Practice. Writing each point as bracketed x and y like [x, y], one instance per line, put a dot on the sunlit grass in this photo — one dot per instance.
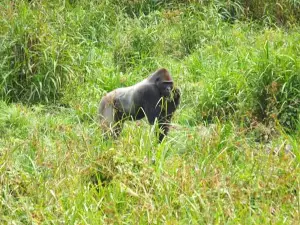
[232, 155]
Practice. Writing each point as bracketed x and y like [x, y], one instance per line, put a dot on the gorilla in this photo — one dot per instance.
[155, 97]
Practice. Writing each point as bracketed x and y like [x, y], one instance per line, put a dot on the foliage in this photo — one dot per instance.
[237, 65]
[280, 12]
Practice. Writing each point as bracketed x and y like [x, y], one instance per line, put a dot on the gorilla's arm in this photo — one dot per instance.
[174, 102]
[166, 115]
[150, 103]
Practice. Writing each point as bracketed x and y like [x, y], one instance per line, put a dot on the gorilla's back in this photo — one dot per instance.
[123, 99]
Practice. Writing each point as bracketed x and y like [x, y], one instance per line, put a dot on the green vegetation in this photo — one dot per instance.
[232, 155]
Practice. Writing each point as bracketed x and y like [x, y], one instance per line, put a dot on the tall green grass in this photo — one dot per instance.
[56, 169]
[268, 12]
[239, 76]
[47, 54]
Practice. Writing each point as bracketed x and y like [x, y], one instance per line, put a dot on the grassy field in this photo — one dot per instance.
[232, 155]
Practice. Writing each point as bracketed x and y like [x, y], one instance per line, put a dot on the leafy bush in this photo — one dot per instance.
[133, 48]
[36, 61]
[221, 97]
[136, 8]
[275, 88]
[281, 12]
[192, 31]
[252, 83]
[44, 47]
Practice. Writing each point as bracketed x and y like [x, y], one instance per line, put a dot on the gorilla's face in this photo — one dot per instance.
[165, 88]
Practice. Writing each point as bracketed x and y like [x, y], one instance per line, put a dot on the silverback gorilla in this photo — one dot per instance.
[154, 97]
